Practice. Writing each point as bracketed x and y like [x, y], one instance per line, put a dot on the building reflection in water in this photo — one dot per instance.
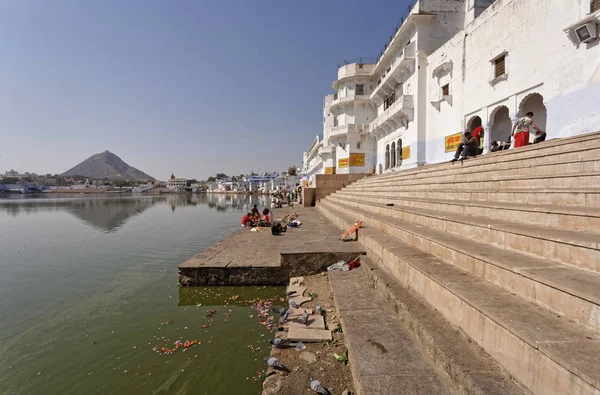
[108, 214]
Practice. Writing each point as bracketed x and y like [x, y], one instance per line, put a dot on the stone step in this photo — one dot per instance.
[583, 146]
[571, 197]
[308, 335]
[551, 215]
[464, 362]
[384, 357]
[563, 289]
[494, 181]
[462, 173]
[573, 248]
[546, 353]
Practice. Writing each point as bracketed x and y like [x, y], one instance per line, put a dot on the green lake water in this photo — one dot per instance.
[88, 293]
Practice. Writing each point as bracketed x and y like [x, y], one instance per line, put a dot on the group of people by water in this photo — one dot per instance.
[254, 218]
[472, 142]
[265, 219]
[291, 196]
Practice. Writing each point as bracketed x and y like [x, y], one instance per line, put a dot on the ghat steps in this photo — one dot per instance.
[506, 247]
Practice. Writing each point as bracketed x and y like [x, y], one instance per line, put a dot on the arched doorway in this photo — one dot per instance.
[387, 156]
[399, 153]
[473, 123]
[501, 125]
[393, 154]
[534, 103]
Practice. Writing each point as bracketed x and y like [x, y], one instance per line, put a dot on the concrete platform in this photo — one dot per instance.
[259, 258]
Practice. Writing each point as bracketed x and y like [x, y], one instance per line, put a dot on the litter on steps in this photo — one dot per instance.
[340, 266]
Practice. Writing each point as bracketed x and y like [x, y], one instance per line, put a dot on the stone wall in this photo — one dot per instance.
[326, 184]
[293, 264]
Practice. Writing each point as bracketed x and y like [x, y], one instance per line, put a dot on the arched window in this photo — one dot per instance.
[399, 153]
[387, 156]
[393, 155]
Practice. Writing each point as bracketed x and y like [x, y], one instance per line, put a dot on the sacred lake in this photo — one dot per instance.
[90, 302]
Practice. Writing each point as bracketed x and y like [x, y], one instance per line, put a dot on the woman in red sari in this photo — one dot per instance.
[522, 130]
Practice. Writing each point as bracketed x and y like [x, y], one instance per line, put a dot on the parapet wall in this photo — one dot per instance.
[326, 184]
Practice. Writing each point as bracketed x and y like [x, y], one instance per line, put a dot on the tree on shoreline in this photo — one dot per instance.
[292, 171]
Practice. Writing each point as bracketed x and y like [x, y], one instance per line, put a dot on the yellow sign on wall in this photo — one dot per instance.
[357, 160]
[406, 152]
[342, 163]
[330, 170]
[453, 141]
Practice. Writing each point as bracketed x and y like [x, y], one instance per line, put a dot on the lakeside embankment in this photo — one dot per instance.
[258, 258]
[249, 257]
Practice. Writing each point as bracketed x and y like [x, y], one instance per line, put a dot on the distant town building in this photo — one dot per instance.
[260, 182]
[176, 184]
[14, 174]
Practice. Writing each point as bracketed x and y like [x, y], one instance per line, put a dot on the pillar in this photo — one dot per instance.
[486, 138]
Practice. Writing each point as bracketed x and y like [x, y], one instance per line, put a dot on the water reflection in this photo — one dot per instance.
[219, 202]
[108, 214]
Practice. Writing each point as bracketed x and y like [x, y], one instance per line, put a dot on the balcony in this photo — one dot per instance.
[399, 71]
[326, 150]
[353, 70]
[314, 166]
[340, 133]
[340, 103]
[402, 110]
[314, 149]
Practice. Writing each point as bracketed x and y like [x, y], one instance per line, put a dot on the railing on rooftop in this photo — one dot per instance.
[402, 19]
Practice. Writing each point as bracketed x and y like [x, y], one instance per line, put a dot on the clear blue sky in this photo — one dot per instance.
[190, 87]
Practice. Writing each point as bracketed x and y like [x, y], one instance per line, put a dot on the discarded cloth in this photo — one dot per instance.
[340, 266]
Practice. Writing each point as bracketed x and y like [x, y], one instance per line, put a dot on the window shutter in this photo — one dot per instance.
[594, 5]
[446, 90]
[499, 67]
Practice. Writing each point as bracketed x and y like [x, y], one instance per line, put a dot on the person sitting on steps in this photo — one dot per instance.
[469, 147]
[539, 137]
[478, 135]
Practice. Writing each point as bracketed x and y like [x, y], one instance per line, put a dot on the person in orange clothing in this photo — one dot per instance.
[478, 136]
[522, 130]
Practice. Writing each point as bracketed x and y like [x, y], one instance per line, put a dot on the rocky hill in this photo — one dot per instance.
[107, 165]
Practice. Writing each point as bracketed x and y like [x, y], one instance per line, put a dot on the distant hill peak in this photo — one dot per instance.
[107, 165]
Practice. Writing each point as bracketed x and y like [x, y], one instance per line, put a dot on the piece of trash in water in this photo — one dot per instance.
[390, 204]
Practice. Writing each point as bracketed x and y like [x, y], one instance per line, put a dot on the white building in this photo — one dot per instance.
[454, 65]
[284, 182]
[312, 160]
[176, 184]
